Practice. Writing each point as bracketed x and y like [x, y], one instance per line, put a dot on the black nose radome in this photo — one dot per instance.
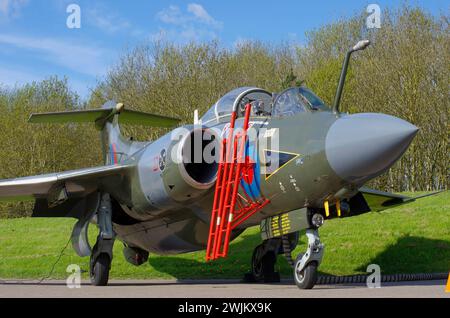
[362, 146]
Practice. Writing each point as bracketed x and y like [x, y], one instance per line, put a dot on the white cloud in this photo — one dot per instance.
[202, 15]
[194, 24]
[111, 22]
[172, 15]
[11, 8]
[87, 60]
[107, 22]
[183, 35]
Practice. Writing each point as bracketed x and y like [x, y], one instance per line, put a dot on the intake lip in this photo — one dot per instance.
[360, 147]
[196, 170]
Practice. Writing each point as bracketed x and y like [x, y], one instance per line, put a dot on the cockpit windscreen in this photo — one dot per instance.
[297, 100]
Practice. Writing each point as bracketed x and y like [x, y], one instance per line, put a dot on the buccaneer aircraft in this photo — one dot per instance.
[286, 162]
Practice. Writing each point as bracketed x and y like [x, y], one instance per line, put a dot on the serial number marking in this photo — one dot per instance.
[241, 308]
[236, 308]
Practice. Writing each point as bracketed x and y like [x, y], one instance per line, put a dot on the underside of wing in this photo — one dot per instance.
[379, 200]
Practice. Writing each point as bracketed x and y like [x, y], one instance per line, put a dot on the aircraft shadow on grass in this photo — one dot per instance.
[410, 254]
[413, 254]
[234, 266]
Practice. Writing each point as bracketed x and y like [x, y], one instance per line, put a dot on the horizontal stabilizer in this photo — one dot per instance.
[100, 116]
[75, 116]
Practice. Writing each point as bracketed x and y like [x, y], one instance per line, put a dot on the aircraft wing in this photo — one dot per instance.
[380, 200]
[56, 187]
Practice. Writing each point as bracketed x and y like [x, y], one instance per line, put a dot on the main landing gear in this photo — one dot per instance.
[101, 256]
[304, 267]
[263, 263]
[264, 258]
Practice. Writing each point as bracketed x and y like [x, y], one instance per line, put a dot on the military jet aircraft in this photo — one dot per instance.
[286, 162]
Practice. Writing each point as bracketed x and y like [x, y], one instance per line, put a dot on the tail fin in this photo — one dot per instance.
[107, 120]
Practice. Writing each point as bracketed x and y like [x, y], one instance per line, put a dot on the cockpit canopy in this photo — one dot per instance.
[289, 102]
[297, 100]
[237, 99]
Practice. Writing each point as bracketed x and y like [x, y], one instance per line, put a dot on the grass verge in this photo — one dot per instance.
[412, 238]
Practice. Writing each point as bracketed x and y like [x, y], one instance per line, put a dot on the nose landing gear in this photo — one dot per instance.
[305, 265]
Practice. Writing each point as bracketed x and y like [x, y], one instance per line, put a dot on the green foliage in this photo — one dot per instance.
[403, 73]
[176, 80]
[291, 81]
[28, 149]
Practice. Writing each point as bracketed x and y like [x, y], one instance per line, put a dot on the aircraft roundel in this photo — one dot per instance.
[162, 160]
[251, 180]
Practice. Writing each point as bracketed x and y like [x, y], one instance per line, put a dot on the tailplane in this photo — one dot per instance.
[102, 115]
[107, 121]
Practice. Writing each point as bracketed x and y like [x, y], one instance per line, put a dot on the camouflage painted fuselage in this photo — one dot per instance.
[163, 206]
[171, 226]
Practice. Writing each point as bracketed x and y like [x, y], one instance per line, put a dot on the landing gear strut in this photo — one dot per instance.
[305, 265]
[101, 257]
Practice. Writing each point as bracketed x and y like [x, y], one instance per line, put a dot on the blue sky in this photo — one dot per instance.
[36, 43]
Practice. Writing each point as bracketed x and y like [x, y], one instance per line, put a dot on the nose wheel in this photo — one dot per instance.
[305, 265]
[305, 278]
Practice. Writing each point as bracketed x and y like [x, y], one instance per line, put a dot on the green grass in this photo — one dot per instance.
[408, 239]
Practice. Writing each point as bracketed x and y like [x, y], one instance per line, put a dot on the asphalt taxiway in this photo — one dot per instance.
[218, 289]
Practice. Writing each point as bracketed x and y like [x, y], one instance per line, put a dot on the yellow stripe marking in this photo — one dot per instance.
[327, 208]
[338, 207]
[296, 155]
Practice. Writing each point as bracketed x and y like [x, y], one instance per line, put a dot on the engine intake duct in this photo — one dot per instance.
[199, 152]
[192, 164]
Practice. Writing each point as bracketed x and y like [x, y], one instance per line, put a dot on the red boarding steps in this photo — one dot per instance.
[230, 208]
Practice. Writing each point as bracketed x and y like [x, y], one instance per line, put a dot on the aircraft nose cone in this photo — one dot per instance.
[362, 146]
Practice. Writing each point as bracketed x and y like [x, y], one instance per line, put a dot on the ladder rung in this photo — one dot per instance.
[224, 216]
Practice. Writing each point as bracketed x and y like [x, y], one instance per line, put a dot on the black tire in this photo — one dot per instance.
[263, 265]
[307, 278]
[100, 270]
[257, 266]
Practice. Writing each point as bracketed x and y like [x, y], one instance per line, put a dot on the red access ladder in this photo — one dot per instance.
[230, 208]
